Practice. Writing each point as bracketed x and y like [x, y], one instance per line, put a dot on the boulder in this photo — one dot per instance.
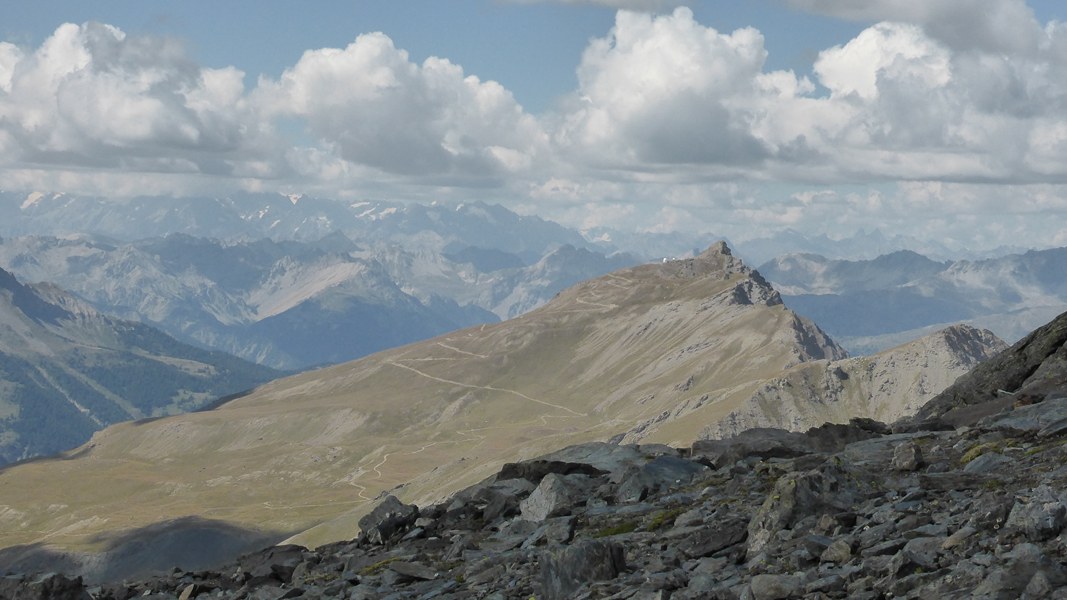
[535, 470]
[658, 473]
[388, 519]
[775, 587]
[1046, 419]
[565, 570]
[907, 457]
[763, 442]
[1040, 518]
[555, 496]
[799, 495]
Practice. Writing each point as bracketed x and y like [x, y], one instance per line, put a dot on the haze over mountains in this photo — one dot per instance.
[67, 371]
[281, 279]
[654, 353]
[869, 305]
[440, 226]
[292, 304]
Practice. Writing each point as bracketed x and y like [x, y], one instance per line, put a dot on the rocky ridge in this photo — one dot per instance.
[887, 386]
[1033, 368]
[841, 511]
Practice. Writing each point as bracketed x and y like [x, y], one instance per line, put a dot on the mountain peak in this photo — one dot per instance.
[7, 280]
[719, 248]
[715, 277]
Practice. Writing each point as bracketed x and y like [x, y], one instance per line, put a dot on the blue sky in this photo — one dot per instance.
[531, 48]
[942, 120]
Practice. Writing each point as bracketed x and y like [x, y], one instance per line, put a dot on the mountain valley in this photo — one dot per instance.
[67, 371]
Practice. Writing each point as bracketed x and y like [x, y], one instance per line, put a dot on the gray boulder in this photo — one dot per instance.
[775, 587]
[565, 570]
[1040, 518]
[555, 496]
[658, 473]
[799, 495]
[388, 519]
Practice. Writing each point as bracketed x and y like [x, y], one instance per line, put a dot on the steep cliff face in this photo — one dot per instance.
[886, 386]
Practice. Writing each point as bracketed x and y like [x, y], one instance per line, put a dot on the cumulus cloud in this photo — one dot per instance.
[668, 114]
[918, 109]
[665, 90]
[92, 97]
[379, 109]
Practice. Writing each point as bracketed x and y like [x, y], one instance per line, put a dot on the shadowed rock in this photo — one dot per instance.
[565, 570]
[388, 519]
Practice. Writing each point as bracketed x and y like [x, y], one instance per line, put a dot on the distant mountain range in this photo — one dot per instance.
[862, 245]
[869, 305]
[254, 216]
[442, 227]
[292, 304]
[67, 371]
[281, 280]
[656, 353]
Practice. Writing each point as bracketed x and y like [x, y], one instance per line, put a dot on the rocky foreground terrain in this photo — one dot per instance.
[967, 500]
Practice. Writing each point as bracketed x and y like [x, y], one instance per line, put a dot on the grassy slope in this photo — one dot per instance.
[605, 357]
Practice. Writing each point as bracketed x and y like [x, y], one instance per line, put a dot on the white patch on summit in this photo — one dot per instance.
[31, 200]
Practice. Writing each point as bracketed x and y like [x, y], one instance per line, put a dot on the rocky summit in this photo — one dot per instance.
[915, 509]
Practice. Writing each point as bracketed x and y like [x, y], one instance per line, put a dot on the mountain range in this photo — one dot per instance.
[67, 371]
[443, 227]
[911, 295]
[461, 262]
[657, 353]
[862, 245]
[254, 216]
[292, 304]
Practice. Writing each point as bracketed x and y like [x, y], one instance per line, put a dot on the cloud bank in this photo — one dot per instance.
[954, 110]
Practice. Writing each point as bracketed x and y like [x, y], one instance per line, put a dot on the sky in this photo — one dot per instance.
[941, 120]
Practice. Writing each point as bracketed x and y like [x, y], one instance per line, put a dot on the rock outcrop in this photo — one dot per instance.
[831, 513]
[887, 386]
[1033, 369]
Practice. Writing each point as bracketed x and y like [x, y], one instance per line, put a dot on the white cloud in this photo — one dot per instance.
[91, 96]
[672, 124]
[379, 109]
[887, 52]
[664, 91]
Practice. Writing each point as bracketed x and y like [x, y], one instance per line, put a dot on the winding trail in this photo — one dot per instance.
[488, 388]
[454, 349]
